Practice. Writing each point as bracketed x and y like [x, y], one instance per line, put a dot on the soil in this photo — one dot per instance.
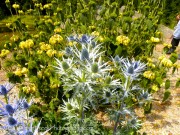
[164, 118]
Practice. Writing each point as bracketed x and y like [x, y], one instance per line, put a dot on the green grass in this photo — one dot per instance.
[28, 19]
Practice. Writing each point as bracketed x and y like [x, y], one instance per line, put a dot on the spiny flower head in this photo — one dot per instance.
[132, 69]
[4, 89]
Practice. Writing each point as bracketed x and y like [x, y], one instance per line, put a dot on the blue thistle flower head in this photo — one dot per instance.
[71, 38]
[29, 133]
[130, 70]
[10, 110]
[84, 38]
[4, 89]
[12, 121]
[23, 104]
[68, 51]
[84, 54]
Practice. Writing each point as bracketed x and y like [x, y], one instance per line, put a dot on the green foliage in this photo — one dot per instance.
[129, 31]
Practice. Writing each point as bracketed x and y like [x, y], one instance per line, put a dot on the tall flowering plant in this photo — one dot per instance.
[93, 82]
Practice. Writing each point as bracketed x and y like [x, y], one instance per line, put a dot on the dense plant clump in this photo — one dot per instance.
[73, 75]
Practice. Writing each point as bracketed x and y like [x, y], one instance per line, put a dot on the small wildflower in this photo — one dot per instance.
[149, 75]
[15, 6]
[155, 88]
[122, 40]
[155, 40]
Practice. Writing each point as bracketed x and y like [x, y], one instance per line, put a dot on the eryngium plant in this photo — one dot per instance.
[90, 79]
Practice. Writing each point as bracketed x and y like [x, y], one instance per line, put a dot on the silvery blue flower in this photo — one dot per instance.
[132, 69]
[4, 89]
[144, 97]
[134, 123]
[68, 51]
[84, 54]
[23, 104]
[7, 109]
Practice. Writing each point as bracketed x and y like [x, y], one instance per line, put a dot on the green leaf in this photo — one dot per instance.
[178, 83]
[118, 50]
[167, 84]
[173, 57]
[167, 94]
[147, 108]
[159, 80]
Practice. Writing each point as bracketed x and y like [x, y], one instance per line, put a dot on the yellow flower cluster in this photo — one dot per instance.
[57, 30]
[47, 6]
[176, 65]
[7, 1]
[15, 6]
[151, 65]
[8, 25]
[95, 33]
[14, 38]
[155, 40]
[55, 39]
[51, 52]
[149, 75]
[4, 52]
[29, 89]
[165, 61]
[21, 71]
[122, 40]
[101, 39]
[44, 46]
[26, 44]
[39, 5]
[167, 45]
[20, 12]
[155, 88]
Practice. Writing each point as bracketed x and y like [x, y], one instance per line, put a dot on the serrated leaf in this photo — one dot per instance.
[167, 84]
[167, 94]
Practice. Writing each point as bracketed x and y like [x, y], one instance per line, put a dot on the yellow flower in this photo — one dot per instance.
[55, 39]
[95, 33]
[149, 75]
[15, 6]
[100, 38]
[18, 72]
[166, 62]
[4, 52]
[151, 65]
[155, 88]
[20, 12]
[8, 25]
[176, 65]
[24, 70]
[155, 40]
[167, 45]
[26, 44]
[14, 38]
[57, 30]
[161, 57]
[122, 40]
[51, 52]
